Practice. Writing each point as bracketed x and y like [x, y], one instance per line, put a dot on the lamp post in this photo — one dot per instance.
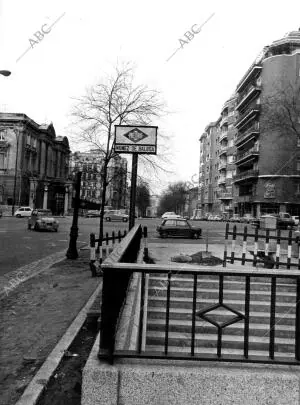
[72, 251]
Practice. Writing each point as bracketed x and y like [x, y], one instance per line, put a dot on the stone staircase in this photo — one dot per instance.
[180, 320]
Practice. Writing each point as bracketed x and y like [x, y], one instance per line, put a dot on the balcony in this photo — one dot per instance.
[248, 155]
[223, 136]
[248, 116]
[222, 180]
[225, 196]
[250, 74]
[245, 198]
[223, 165]
[223, 150]
[251, 133]
[224, 120]
[245, 98]
[248, 174]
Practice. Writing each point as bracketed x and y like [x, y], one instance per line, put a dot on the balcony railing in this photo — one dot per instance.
[241, 157]
[223, 150]
[250, 114]
[245, 175]
[223, 135]
[222, 165]
[252, 91]
[224, 120]
[249, 134]
[222, 180]
[253, 71]
[225, 196]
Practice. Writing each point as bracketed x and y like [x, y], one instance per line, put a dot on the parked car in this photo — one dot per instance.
[170, 215]
[218, 218]
[247, 219]
[23, 212]
[283, 220]
[92, 214]
[41, 219]
[115, 215]
[178, 227]
[235, 218]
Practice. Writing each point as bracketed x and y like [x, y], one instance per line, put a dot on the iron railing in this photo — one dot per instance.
[241, 313]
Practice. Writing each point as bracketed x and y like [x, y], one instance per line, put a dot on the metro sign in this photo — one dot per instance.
[135, 135]
[131, 139]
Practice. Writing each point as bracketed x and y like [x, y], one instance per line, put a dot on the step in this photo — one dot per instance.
[186, 314]
[203, 327]
[203, 293]
[186, 302]
[284, 345]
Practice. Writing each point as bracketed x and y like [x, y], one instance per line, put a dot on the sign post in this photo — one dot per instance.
[136, 140]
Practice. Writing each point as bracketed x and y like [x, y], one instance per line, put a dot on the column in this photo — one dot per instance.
[66, 206]
[45, 201]
[32, 193]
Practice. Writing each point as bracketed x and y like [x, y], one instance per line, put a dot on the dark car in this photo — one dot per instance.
[92, 214]
[178, 227]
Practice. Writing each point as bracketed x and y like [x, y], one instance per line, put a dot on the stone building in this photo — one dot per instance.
[91, 165]
[34, 165]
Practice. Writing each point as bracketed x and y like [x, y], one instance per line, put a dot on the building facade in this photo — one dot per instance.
[226, 157]
[91, 165]
[268, 156]
[208, 172]
[34, 165]
[258, 138]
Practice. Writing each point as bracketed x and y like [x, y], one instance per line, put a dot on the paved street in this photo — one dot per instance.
[19, 246]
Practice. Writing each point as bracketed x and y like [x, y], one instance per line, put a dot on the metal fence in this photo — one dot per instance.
[270, 255]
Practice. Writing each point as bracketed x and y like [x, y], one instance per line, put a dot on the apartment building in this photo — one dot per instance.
[91, 165]
[208, 171]
[226, 156]
[257, 138]
[268, 143]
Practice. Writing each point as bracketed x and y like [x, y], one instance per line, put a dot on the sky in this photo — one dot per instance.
[87, 39]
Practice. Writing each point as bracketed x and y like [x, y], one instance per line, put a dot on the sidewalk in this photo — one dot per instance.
[34, 316]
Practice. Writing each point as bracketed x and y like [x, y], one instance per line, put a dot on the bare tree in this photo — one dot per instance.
[282, 109]
[281, 115]
[116, 100]
[174, 198]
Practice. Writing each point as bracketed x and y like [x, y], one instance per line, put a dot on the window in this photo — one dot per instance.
[170, 222]
[2, 136]
[28, 139]
[181, 223]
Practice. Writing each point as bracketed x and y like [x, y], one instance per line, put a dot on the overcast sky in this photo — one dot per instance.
[90, 36]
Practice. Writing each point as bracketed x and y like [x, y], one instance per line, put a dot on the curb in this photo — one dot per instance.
[40, 381]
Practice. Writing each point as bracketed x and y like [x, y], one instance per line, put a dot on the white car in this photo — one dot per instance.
[23, 212]
[171, 215]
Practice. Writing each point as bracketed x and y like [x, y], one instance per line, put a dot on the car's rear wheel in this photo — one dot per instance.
[18, 216]
[108, 219]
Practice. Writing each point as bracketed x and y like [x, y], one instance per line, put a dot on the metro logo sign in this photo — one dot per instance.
[139, 139]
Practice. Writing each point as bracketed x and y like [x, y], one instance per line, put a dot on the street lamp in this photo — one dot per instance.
[5, 73]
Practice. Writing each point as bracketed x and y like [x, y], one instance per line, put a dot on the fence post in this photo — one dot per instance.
[113, 237]
[233, 242]
[93, 254]
[244, 245]
[225, 244]
[146, 252]
[119, 236]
